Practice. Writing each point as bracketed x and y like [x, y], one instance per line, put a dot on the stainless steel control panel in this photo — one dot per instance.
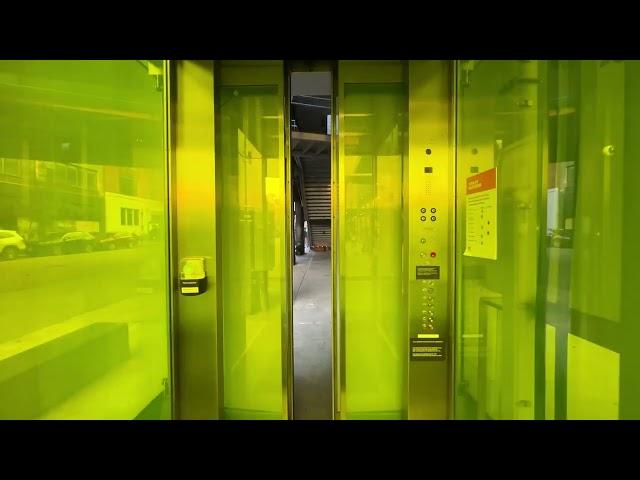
[429, 213]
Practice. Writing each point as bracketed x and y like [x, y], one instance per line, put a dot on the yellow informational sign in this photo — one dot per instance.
[481, 221]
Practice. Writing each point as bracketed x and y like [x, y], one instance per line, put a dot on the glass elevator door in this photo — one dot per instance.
[371, 303]
[253, 239]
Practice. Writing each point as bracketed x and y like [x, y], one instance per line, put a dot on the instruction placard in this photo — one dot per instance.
[427, 349]
[481, 221]
[427, 272]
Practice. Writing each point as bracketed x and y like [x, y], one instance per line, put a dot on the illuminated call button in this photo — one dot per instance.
[428, 335]
[433, 254]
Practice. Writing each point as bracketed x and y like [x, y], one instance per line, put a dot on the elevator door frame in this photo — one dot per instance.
[184, 327]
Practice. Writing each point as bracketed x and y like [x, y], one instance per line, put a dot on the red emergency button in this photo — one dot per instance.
[433, 254]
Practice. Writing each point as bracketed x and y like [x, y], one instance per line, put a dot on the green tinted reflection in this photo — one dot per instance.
[253, 249]
[498, 127]
[586, 224]
[83, 288]
[371, 250]
[549, 329]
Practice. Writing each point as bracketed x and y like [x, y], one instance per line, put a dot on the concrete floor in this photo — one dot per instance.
[312, 337]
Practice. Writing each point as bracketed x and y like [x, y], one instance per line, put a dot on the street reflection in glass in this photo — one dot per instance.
[83, 284]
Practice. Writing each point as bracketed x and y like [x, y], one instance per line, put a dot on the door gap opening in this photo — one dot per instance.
[311, 125]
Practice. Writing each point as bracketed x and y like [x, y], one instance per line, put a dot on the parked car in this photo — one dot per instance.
[61, 243]
[11, 244]
[113, 240]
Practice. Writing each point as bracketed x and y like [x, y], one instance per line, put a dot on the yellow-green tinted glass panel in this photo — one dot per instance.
[593, 373]
[83, 281]
[596, 225]
[498, 128]
[562, 136]
[253, 282]
[590, 237]
[550, 371]
[370, 246]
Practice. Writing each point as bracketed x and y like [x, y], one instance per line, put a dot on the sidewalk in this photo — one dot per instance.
[312, 336]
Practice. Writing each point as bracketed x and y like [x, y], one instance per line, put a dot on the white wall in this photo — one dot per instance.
[113, 202]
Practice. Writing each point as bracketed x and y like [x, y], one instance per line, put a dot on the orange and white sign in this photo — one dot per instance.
[482, 215]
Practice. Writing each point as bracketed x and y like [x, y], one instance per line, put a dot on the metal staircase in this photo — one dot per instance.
[313, 152]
